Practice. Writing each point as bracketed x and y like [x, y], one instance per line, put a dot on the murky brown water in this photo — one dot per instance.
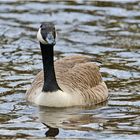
[108, 31]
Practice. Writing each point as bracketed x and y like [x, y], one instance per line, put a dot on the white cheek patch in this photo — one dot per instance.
[40, 38]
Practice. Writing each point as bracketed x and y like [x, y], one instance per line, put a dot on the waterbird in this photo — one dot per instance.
[70, 81]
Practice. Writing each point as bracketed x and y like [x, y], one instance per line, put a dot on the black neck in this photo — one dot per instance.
[50, 83]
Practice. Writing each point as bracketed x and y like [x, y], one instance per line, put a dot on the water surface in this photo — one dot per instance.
[106, 30]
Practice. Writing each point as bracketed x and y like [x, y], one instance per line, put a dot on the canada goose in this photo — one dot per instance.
[70, 81]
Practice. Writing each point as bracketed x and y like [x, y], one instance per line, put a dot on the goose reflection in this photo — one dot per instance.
[74, 118]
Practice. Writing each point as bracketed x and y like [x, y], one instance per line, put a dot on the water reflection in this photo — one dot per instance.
[52, 132]
[73, 118]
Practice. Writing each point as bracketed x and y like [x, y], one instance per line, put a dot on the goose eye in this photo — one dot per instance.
[42, 26]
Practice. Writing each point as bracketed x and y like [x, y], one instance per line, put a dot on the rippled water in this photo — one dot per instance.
[107, 30]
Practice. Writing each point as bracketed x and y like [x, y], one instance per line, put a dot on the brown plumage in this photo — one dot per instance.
[70, 81]
[75, 75]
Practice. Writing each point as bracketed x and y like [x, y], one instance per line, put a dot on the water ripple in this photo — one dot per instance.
[106, 30]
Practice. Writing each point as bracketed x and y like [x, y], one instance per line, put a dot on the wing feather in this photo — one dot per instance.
[74, 74]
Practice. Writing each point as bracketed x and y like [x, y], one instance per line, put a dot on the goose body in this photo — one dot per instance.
[70, 81]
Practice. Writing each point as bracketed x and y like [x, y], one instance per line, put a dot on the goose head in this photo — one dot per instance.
[46, 33]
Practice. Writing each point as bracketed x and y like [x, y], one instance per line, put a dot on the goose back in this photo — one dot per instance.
[75, 75]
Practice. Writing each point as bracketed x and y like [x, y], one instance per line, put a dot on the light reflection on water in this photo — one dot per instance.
[107, 30]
